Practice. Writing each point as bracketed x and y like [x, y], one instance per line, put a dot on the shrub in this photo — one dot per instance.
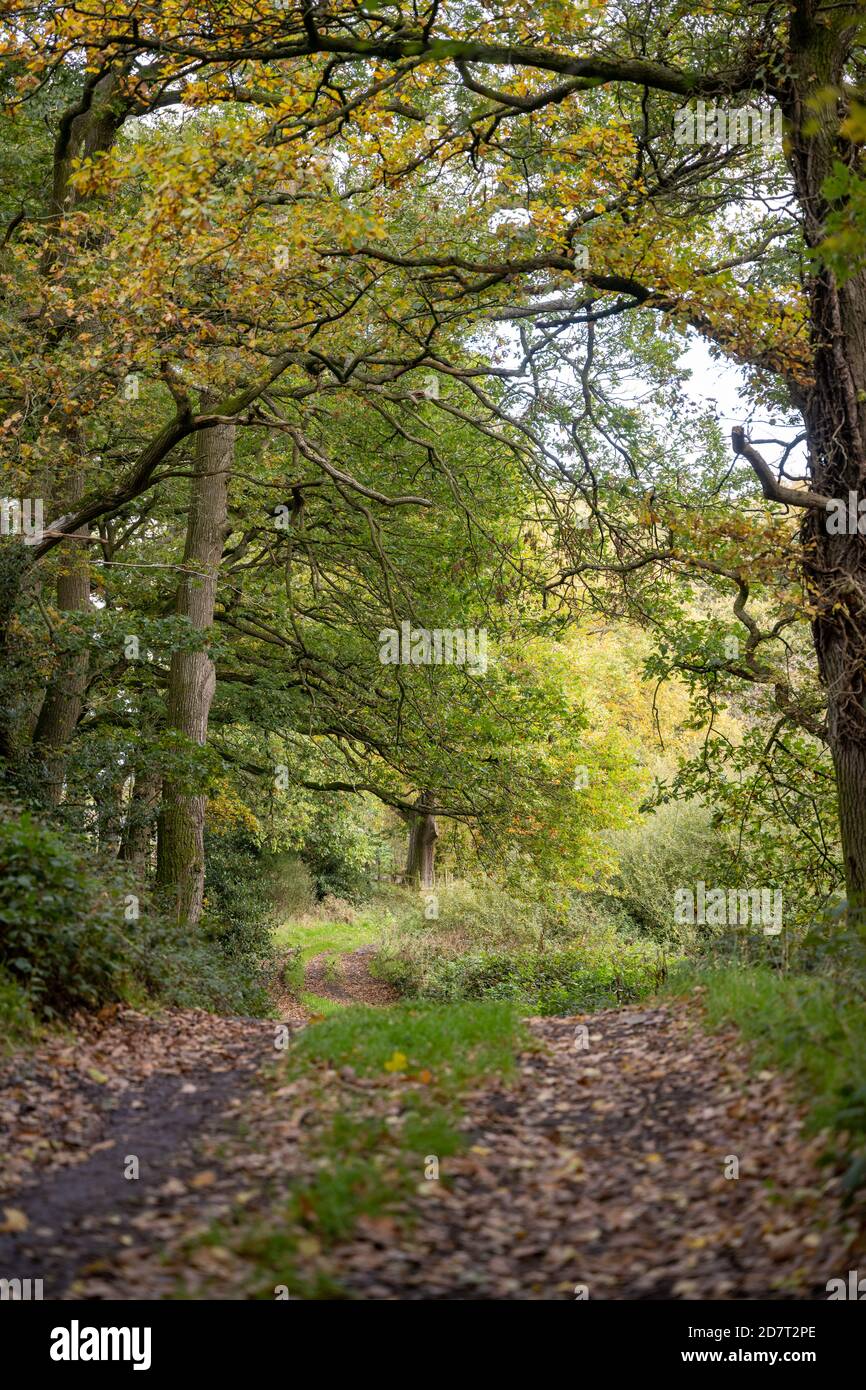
[547, 982]
[582, 952]
[65, 943]
[673, 848]
[62, 929]
[338, 851]
[17, 1021]
[470, 917]
[291, 886]
[198, 969]
[239, 894]
[337, 910]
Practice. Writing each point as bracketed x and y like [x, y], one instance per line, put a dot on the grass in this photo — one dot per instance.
[313, 938]
[453, 1042]
[18, 1023]
[371, 1146]
[310, 938]
[806, 1025]
[320, 1004]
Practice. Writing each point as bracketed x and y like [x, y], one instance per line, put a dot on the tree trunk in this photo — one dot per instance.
[834, 410]
[423, 834]
[15, 568]
[192, 680]
[90, 132]
[64, 698]
[140, 817]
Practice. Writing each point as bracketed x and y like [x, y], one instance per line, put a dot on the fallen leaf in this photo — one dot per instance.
[15, 1220]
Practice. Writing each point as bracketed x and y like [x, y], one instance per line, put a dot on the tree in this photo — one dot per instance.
[423, 834]
[618, 218]
[192, 678]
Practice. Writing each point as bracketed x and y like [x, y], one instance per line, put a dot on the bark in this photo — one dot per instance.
[140, 819]
[834, 410]
[192, 679]
[82, 133]
[15, 565]
[423, 834]
[84, 130]
[64, 698]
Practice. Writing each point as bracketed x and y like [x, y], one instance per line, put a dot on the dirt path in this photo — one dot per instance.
[130, 1094]
[345, 977]
[605, 1167]
[606, 1172]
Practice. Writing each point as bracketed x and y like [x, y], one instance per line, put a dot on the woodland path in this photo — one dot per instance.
[166, 1090]
[602, 1170]
[345, 978]
[601, 1173]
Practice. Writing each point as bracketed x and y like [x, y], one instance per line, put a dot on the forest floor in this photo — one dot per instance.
[603, 1165]
[346, 979]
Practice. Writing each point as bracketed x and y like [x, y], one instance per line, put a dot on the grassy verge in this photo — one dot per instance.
[805, 1025]
[311, 938]
[18, 1023]
[386, 1089]
[590, 976]
[319, 1005]
[483, 943]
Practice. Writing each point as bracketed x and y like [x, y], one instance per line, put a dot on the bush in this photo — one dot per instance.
[470, 917]
[578, 954]
[65, 943]
[292, 890]
[62, 929]
[17, 1021]
[673, 848]
[200, 969]
[239, 894]
[547, 982]
[338, 852]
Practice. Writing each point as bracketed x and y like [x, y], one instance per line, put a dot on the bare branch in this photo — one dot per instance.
[772, 489]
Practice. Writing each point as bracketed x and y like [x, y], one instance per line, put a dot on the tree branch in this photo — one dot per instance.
[772, 489]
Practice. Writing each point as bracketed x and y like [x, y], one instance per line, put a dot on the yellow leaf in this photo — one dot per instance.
[14, 1220]
[396, 1062]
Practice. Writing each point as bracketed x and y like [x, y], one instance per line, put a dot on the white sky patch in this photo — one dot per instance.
[719, 384]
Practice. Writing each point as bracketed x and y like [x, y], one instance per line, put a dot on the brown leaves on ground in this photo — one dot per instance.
[56, 1103]
[602, 1173]
[346, 978]
[162, 1090]
[600, 1168]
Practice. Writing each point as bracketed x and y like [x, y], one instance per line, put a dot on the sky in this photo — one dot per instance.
[722, 383]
